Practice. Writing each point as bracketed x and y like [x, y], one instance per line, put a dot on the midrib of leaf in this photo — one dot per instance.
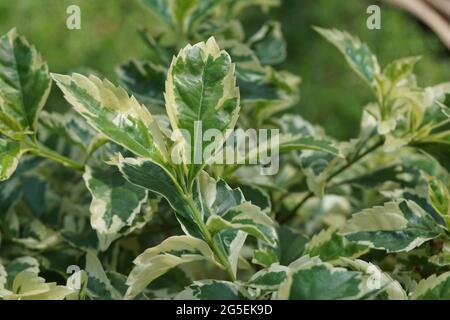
[202, 91]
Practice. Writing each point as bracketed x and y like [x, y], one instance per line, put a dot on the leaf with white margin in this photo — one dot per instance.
[3, 281]
[399, 69]
[98, 284]
[439, 197]
[110, 110]
[442, 259]
[284, 143]
[24, 84]
[201, 95]
[226, 208]
[397, 226]
[381, 282]
[78, 283]
[156, 261]
[264, 257]
[215, 198]
[257, 196]
[37, 236]
[182, 14]
[144, 80]
[312, 279]
[245, 217]
[70, 126]
[211, 290]
[18, 265]
[357, 54]
[433, 288]
[115, 205]
[329, 246]
[27, 285]
[10, 153]
[270, 278]
[153, 177]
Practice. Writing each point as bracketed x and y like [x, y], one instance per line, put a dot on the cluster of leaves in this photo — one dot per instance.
[98, 187]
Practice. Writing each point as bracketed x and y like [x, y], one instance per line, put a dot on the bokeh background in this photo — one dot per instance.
[332, 95]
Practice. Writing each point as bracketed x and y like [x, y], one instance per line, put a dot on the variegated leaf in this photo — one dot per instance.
[70, 126]
[396, 226]
[357, 54]
[433, 288]
[10, 153]
[439, 198]
[264, 257]
[245, 217]
[270, 278]
[98, 284]
[24, 84]
[381, 282]
[211, 290]
[201, 95]
[143, 80]
[115, 205]
[150, 176]
[330, 246]
[110, 110]
[400, 69]
[156, 261]
[312, 279]
[20, 281]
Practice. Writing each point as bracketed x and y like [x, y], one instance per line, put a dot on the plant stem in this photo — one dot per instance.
[42, 151]
[358, 157]
[209, 239]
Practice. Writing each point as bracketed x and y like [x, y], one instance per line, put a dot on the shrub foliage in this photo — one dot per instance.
[93, 205]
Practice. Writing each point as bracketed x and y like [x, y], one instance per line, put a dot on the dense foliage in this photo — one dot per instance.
[98, 187]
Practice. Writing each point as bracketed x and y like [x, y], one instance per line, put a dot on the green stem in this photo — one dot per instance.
[358, 157]
[42, 151]
[209, 239]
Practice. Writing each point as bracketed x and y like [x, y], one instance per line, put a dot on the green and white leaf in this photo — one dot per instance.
[69, 125]
[10, 153]
[245, 217]
[110, 110]
[328, 245]
[150, 176]
[270, 278]
[211, 290]
[98, 284]
[312, 279]
[439, 198]
[380, 281]
[201, 95]
[264, 257]
[24, 85]
[397, 226]
[156, 261]
[143, 80]
[115, 205]
[433, 288]
[357, 54]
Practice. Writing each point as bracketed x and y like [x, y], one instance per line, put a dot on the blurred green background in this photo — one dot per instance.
[332, 95]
